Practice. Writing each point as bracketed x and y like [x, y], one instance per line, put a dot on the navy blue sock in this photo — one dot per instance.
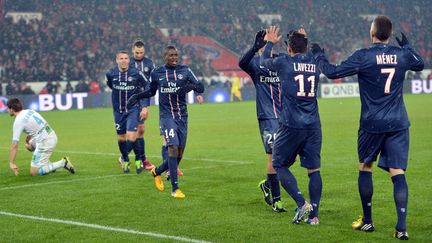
[164, 152]
[172, 165]
[289, 183]
[273, 182]
[365, 187]
[140, 142]
[315, 189]
[400, 192]
[123, 150]
[130, 146]
[162, 168]
[137, 150]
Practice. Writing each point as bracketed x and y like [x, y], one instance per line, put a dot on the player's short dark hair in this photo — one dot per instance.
[138, 43]
[297, 41]
[168, 48]
[14, 104]
[383, 27]
[122, 52]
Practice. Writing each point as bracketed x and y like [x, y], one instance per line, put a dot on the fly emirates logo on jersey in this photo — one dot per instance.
[172, 88]
[272, 79]
[123, 86]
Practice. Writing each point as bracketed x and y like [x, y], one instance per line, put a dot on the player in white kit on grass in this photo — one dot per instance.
[42, 140]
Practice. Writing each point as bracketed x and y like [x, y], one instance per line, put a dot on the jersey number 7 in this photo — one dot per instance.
[391, 72]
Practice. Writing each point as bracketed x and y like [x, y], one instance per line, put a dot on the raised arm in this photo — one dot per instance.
[414, 60]
[273, 37]
[247, 57]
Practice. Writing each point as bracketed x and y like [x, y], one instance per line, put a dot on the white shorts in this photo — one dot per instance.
[43, 150]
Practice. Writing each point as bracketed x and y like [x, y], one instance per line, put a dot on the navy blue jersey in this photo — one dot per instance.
[381, 71]
[267, 85]
[146, 66]
[299, 80]
[170, 81]
[124, 85]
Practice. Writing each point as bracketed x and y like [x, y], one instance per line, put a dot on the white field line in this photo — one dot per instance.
[102, 227]
[62, 181]
[151, 156]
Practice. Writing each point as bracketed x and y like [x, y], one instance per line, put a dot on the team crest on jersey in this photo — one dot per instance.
[146, 69]
[129, 79]
[180, 76]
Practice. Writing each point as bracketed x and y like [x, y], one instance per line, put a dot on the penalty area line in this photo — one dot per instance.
[102, 227]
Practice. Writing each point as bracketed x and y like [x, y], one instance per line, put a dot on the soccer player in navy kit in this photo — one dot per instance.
[173, 81]
[300, 130]
[124, 82]
[268, 107]
[384, 121]
[145, 65]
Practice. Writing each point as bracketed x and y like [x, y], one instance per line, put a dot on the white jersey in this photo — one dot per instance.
[32, 123]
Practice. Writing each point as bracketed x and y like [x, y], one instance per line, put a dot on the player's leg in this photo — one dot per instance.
[141, 145]
[310, 157]
[394, 157]
[41, 163]
[270, 187]
[120, 126]
[273, 183]
[368, 149]
[132, 122]
[182, 128]
[285, 149]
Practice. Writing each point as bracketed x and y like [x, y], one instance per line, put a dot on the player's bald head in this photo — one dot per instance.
[381, 28]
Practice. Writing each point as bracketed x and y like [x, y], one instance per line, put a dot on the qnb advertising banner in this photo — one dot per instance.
[340, 90]
[421, 86]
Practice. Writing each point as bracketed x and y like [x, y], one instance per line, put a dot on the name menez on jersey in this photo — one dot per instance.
[386, 59]
[304, 67]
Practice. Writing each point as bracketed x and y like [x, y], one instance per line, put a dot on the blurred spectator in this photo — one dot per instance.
[94, 87]
[82, 87]
[58, 88]
[25, 89]
[11, 88]
[50, 87]
[69, 88]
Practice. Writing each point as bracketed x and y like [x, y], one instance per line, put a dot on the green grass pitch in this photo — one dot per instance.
[222, 165]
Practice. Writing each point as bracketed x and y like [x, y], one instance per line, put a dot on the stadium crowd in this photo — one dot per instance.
[76, 40]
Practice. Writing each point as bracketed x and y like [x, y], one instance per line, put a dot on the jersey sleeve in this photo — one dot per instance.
[108, 80]
[245, 61]
[197, 86]
[143, 82]
[414, 60]
[17, 130]
[348, 67]
[272, 64]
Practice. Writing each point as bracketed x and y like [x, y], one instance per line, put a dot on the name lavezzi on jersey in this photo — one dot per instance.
[304, 67]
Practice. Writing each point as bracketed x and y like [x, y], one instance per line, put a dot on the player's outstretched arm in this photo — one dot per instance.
[348, 67]
[12, 156]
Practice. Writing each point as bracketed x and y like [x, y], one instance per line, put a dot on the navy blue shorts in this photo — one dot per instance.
[291, 142]
[174, 131]
[268, 129]
[126, 121]
[391, 146]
